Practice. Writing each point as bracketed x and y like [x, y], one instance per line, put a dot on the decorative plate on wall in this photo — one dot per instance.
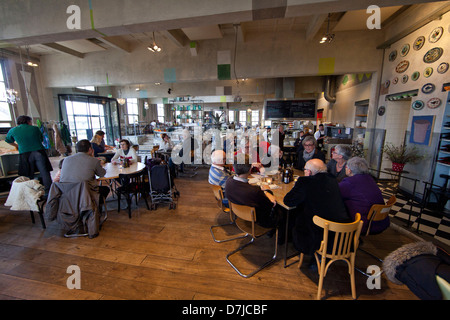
[418, 44]
[433, 103]
[405, 78]
[387, 84]
[404, 51]
[433, 55]
[381, 110]
[395, 80]
[428, 72]
[428, 88]
[402, 66]
[415, 76]
[393, 55]
[418, 105]
[436, 34]
[442, 68]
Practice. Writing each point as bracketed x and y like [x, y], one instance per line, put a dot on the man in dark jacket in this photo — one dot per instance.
[317, 193]
[239, 191]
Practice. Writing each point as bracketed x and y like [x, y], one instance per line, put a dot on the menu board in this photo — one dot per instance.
[290, 109]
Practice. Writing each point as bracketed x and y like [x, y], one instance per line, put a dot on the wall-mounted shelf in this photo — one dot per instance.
[187, 111]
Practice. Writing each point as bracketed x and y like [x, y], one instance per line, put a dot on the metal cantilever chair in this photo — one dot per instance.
[246, 221]
[218, 194]
[345, 244]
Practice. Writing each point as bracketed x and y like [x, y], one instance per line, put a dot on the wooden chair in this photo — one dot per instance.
[131, 185]
[378, 212]
[218, 194]
[246, 221]
[345, 244]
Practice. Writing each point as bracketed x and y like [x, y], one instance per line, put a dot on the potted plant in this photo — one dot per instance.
[401, 155]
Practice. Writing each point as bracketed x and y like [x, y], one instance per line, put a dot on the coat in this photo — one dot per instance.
[314, 195]
[24, 194]
[74, 204]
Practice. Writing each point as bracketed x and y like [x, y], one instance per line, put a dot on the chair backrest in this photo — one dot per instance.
[127, 178]
[379, 212]
[218, 194]
[346, 237]
[245, 213]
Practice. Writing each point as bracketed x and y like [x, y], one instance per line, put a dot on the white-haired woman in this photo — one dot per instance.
[340, 155]
[360, 191]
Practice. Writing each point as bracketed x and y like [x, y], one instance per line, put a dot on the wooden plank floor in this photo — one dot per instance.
[166, 255]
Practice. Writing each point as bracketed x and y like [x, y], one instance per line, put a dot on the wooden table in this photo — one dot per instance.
[279, 194]
[113, 170]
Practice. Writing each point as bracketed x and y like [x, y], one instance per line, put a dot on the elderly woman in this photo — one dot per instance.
[360, 191]
[309, 152]
[124, 152]
[339, 157]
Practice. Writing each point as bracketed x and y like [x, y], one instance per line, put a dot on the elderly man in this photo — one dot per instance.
[82, 166]
[317, 193]
[218, 173]
[239, 191]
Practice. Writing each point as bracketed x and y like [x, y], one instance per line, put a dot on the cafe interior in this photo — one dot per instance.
[376, 76]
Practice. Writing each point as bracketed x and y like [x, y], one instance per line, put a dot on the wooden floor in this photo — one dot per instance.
[167, 255]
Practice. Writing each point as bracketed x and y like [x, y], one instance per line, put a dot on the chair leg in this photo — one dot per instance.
[240, 236]
[129, 205]
[32, 217]
[300, 261]
[321, 277]
[41, 217]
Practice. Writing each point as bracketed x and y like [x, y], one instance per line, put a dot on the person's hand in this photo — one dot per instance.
[265, 187]
[271, 198]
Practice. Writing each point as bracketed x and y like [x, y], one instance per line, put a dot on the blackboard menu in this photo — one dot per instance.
[285, 109]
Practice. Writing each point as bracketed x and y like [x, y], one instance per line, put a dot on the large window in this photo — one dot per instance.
[243, 117]
[230, 116]
[132, 111]
[5, 110]
[160, 109]
[255, 117]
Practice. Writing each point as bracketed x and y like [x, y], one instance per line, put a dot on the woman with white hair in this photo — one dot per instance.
[340, 155]
[360, 191]
[309, 152]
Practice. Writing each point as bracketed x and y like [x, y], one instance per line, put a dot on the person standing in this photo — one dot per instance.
[320, 137]
[32, 156]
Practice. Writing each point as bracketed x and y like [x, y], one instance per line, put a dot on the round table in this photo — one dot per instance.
[113, 170]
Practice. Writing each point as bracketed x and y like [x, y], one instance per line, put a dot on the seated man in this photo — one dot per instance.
[82, 166]
[317, 193]
[219, 173]
[239, 191]
[359, 192]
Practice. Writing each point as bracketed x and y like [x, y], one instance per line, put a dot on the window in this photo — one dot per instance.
[255, 117]
[160, 109]
[132, 110]
[88, 88]
[230, 116]
[243, 117]
[85, 118]
[5, 110]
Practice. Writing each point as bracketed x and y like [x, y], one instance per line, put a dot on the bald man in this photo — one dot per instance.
[317, 193]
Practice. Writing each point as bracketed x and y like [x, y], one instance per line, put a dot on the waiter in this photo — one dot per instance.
[320, 137]
[32, 156]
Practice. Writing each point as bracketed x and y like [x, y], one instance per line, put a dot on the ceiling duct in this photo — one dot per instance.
[285, 88]
[329, 94]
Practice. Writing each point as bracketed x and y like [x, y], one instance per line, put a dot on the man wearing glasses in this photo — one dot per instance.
[317, 193]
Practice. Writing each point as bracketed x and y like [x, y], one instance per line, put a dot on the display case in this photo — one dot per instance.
[360, 125]
[186, 110]
[9, 165]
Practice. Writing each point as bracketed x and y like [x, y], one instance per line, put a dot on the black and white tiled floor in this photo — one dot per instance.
[432, 223]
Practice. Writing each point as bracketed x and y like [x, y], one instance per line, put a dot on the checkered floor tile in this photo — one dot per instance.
[431, 222]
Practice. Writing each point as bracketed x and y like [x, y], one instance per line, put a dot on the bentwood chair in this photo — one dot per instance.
[131, 185]
[344, 246]
[218, 194]
[378, 212]
[246, 221]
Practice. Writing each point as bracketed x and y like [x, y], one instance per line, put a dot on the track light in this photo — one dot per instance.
[327, 37]
[154, 47]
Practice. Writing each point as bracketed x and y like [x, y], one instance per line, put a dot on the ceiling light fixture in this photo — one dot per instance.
[327, 37]
[154, 47]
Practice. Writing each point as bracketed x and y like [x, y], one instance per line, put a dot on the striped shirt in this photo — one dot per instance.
[218, 176]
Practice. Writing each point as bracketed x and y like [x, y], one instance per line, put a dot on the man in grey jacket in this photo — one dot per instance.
[82, 166]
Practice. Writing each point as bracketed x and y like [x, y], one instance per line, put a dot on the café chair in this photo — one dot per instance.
[378, 212]
[131, 184]
[218, 194]
[343, 247]
[246, 221]
[440, 193]
[40, 203]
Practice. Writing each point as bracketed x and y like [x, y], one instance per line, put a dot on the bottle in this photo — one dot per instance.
[286, 175]
[126, 163]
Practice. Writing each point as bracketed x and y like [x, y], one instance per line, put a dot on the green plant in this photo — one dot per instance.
[402, 154]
